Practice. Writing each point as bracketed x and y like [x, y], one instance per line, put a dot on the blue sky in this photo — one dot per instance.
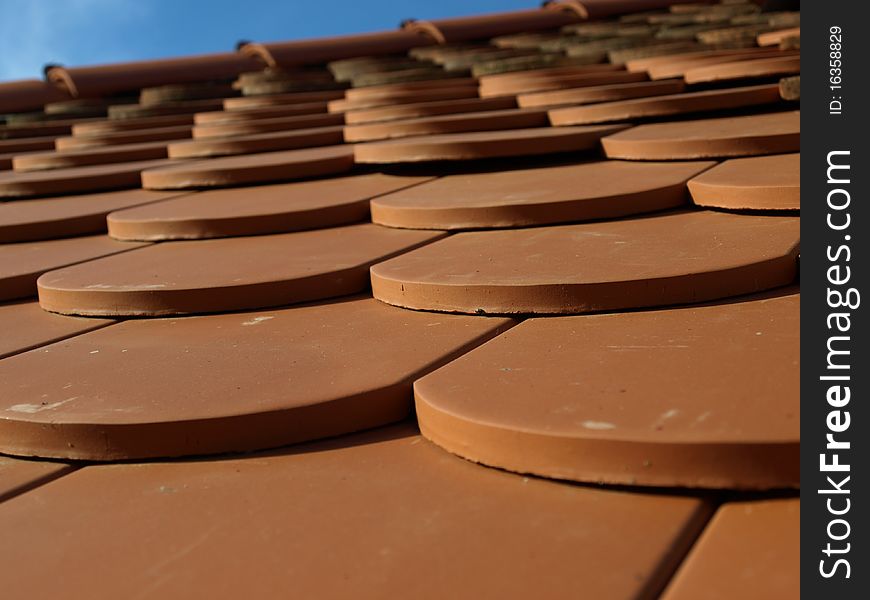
[81, 32]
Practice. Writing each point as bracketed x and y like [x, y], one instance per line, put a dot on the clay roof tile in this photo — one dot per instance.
[108, 79]
[321, 50]
[479, 27]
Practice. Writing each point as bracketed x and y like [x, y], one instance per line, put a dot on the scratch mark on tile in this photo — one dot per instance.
[664, 417]
[702, 417]
[138, 286]
[35, 408]
[256, 321]
[659, 346]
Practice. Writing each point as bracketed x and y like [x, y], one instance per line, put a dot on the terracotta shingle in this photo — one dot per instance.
[642, 262]
[428, 109]
[76, 180]
[678, 60]
[140, 111]
[774, 38]
[18, 475]
[760, 183]
[402, 89]
[251, 126]
[389, 99]
[427, 74]
[517, 198]
[88, 156]
[249, 169]
[10, 147]
[67, 216]
[289, 375]
[27, 130]
[744, 69]
[420, 521]
[347, 69]
[117, 138]
[102, 126]
[581, 398]
[163, 94]
[749, 550]
[281, 99]
[490, 120]
[266, 112]
[25, 326]
[600, 93]
[676, 66]
[21, 264]
[667, 105]
[516, 85]
[484, 144]
[748, 135]
[226, 274]
[266, 209]
[290, 139]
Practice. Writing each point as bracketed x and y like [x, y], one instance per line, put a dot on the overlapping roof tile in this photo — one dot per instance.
[287, 139]
[741, 539]
[744, 69]
[423, 522]
[485, 144]
[233, 127]
[227, 274]
[22, 263]
[18, 476]
[641, 262]
[75, 180]
[718, 137]
[667, 105]
[298, 374]
[490, 120]
[760, 183]
[277, 208]
[117, 138]
[578, 397]
[428, 109]
[501, 199]
[600, 93]
[253, 249]
[26, 326]
[250, 168]
[67, 216]
[92, 155]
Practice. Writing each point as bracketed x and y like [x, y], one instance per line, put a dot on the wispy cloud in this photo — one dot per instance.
[71, 32]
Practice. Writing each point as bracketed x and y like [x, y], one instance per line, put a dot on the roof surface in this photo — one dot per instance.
[500, 306]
